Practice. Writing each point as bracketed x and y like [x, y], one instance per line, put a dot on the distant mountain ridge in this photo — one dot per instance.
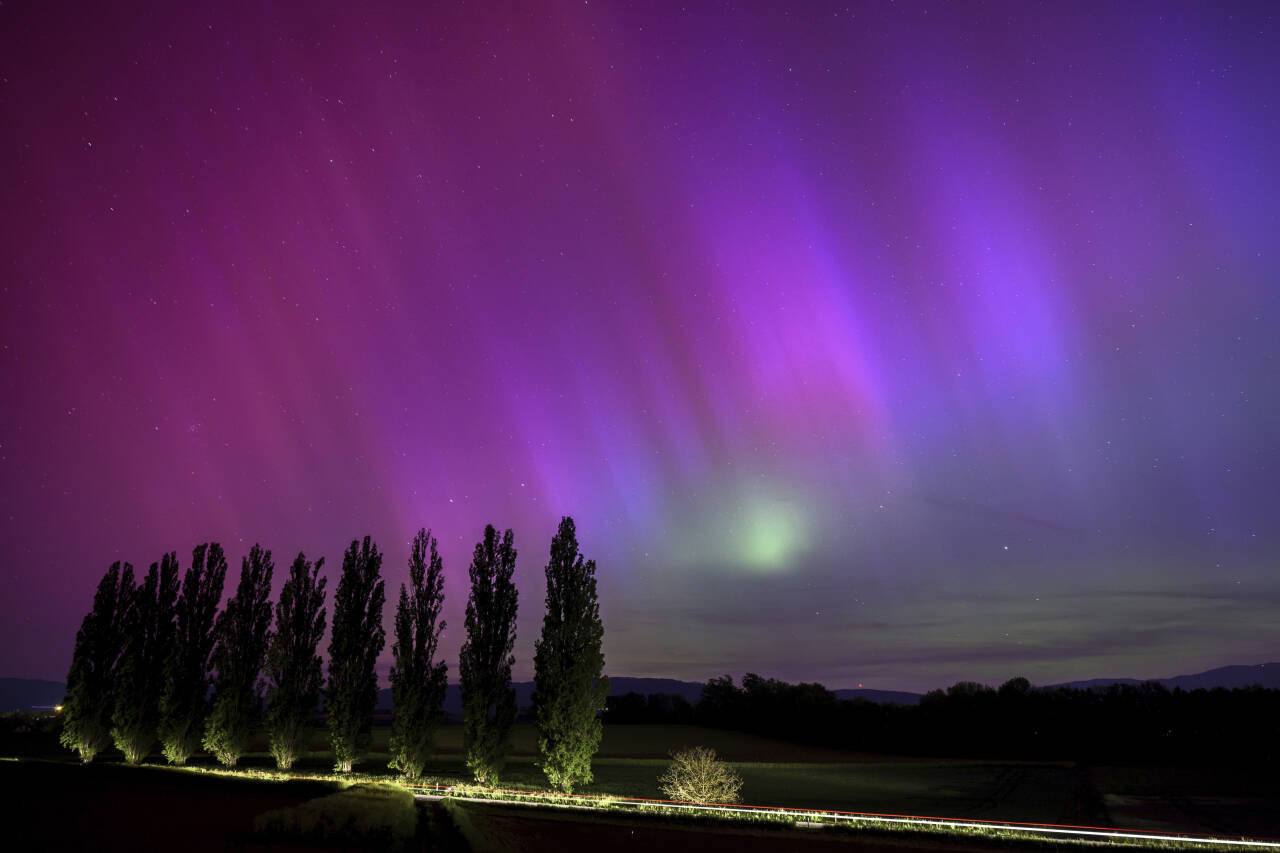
[28, 694]
[1265, 674]
[618, 685]
[880, 697]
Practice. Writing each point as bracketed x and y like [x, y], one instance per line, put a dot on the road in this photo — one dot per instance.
[816, 820]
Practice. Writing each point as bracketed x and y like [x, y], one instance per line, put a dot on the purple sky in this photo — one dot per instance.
[883, 343]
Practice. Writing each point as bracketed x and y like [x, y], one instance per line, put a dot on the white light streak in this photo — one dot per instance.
[809, 815]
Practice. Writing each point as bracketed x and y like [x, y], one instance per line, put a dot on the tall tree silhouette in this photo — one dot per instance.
[488, 702]
[242, 635]
[150, 634]
[184, 703]
[418, 680]
[568, 663]
[293, 666]
[356, 642]
[100, 642]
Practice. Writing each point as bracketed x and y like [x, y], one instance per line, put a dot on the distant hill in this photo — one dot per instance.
[30, 694]
[26, 694]
[690, 690]
[618, 685]
[1264, 674]
[621, 684]
[882, 697]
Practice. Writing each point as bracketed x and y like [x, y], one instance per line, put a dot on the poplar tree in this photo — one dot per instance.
[418, 680]
[293, 666]
[356, 642]
[100, 642]
[242, 632]
[568, 663]
[140, 683]
[184, 703]
[488, 702]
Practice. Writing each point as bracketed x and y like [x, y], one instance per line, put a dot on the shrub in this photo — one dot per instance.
[697, 775]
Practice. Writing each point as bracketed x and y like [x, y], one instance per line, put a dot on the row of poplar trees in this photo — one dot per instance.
[155, 662]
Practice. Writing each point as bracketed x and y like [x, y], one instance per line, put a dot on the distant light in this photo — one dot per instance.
[57, 709]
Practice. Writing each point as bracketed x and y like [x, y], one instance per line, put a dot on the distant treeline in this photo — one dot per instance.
[1144, 722]
[660, 708]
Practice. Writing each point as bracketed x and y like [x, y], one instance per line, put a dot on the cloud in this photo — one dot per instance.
[831, 634]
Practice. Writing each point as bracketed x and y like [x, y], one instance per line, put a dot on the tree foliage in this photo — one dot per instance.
[293, 666]
[697, 775]
[242, 632]
[183, 703]
[356, 642]
[634, 707]
[484, 664]
[568, 663]
[150, 630]
[100, 644]
[418, 680]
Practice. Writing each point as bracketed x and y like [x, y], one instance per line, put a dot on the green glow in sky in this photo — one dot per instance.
[743, 528]
[772, 532]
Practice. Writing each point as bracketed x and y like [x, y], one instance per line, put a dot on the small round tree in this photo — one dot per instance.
[697, 775]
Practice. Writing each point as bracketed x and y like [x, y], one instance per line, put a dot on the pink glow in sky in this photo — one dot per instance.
[882, 343]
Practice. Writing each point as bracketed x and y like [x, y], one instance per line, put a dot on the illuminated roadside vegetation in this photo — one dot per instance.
[697, 775]
[778, 828]
[294, 679]
[485, 660]
[189, 668]
[418, 679]
[100, 643]
[148, 639]
[354, 645]
[570, 686]
[242, 631]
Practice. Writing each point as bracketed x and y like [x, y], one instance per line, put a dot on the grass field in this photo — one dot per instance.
[1217, 800]
[632, 758]
[777, 773]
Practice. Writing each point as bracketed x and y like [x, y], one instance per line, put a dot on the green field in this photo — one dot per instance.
[775, 773]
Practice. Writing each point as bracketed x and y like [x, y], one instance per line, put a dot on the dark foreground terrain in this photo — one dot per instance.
[65, 806]
[109, 807]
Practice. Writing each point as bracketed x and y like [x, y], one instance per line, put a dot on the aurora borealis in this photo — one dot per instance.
[884, 343]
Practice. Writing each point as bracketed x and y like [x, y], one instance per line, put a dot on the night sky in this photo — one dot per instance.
[880, 343]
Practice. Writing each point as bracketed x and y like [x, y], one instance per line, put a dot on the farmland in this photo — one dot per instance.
[1232, 801]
